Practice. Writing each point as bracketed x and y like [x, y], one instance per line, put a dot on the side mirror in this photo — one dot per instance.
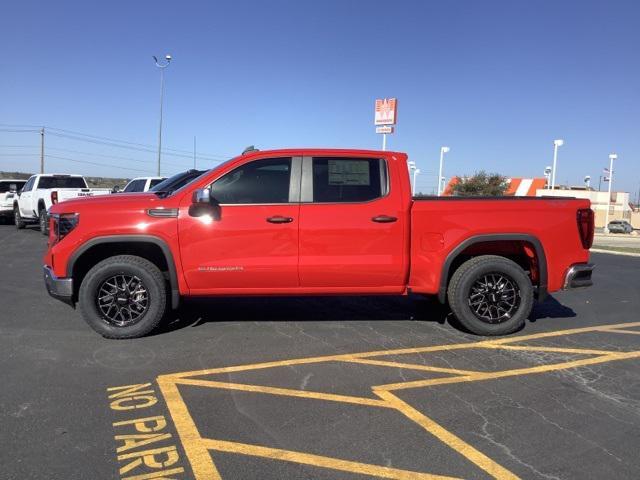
[202, 203]
[115, 189]
[201, 196]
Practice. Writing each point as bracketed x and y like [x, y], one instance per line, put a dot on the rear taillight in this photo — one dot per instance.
[54, 197]
[586, 227]
[61, 225]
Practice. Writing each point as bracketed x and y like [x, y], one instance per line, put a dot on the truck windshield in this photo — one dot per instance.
[62, 182]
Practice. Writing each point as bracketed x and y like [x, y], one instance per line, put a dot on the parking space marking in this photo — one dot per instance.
[412, 366]
[371, 402]
[320, 461]
[198, 448]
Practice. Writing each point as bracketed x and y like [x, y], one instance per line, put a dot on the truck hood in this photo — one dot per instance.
[116, 201]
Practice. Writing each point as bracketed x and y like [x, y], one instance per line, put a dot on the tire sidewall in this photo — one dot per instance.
[17, 219]
[516, 274]
[42, 222]
[91, 313]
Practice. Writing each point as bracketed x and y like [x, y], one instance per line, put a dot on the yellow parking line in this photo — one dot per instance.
[413, 366]
[448, 438]
[401, 351]
[509, 373]
[370, 402]
[535, 348]
[319, 461]
[616, 330]
[199, 457]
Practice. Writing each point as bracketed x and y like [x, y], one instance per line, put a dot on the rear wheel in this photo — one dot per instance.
[43, 219]
[123, 297]
[490, 295]
[17, 218]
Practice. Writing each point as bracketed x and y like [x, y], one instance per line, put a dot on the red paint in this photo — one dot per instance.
[327, 248]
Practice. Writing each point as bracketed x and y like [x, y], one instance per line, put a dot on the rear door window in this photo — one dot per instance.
[135, 186]
[10, 186]
[341, 179]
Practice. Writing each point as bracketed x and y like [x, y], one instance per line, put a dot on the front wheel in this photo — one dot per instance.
[491, 295]
[123, 297]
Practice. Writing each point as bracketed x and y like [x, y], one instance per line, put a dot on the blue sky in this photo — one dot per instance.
[497, 81]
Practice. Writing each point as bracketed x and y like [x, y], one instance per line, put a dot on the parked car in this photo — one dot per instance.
[179, 180]
[41, 191]
[619, 226]
[142, 184]
[313, 222]
[9, 188]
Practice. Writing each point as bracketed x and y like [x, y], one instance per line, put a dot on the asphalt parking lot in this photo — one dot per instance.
[319, 388]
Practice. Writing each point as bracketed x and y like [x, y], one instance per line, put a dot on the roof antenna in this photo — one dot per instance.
[249, 149]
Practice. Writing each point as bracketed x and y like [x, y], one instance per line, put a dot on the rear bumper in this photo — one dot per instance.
[58, 288]
[578, 276]
[6, 210]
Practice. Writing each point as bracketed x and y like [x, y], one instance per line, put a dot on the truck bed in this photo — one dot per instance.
[523, 226]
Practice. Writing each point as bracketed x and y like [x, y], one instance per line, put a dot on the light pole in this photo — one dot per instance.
[547, 175]
[443, 150]
[412, 168]
[161, 66]
[556, 144]
[612, 157]
[416, 172]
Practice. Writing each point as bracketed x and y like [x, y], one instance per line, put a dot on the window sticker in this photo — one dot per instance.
[349, 172]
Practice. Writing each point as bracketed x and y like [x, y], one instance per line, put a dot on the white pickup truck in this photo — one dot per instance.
[42, 191]
[8, 191]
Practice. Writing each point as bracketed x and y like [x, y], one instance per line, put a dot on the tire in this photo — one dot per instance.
[484, 287]
[17, 218]
[43, 220]
[94, 297]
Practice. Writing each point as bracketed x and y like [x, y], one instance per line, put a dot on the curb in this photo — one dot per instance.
[614, 252]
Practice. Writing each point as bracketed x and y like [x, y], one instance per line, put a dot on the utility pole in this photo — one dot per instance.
[194, 152]
[42, 150]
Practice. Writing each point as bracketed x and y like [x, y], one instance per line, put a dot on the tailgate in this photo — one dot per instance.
[74, 193]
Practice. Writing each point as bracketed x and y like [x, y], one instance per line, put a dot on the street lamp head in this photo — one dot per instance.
[613, 156]
[168, 58]
[445, 149]
[559, 142]
[587, 178]
[547, 170]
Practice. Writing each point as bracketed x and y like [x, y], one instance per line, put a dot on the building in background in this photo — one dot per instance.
[518, 187]
[620, 208]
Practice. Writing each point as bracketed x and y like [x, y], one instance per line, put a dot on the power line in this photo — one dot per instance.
[95, 163]
[72, 134]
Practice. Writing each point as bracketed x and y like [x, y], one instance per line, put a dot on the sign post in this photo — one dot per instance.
[385, 116]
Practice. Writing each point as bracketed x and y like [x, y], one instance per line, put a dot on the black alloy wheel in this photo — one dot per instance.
[122, 300]
[494, 297]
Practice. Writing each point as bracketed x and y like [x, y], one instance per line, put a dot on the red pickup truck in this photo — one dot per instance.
[313, 222]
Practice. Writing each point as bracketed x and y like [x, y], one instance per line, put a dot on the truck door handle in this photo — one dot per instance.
[279, 219]
[384, 219]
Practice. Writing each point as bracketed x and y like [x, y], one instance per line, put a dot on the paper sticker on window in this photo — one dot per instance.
[348, 172]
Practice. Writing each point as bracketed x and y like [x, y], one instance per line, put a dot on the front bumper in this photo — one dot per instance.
[578, 276]
[59, 288]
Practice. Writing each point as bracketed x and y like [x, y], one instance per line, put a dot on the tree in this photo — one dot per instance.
[481, 184]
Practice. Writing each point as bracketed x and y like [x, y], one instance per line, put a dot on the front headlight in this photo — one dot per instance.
[62, 224]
